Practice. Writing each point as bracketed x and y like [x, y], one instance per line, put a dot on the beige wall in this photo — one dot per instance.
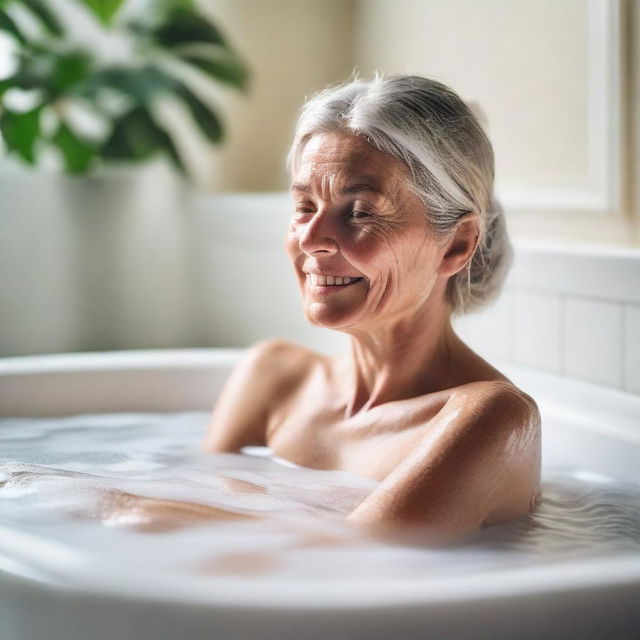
[551, 77]
[294, 48]
[633, 40]
[563, 122]
[560, 89]
[524, 62]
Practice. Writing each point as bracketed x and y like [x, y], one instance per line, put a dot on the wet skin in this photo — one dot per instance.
[454, 444]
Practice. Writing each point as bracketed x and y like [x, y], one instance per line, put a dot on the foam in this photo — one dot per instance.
[130, 500]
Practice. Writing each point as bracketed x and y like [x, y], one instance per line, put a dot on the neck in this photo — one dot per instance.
[405, 358]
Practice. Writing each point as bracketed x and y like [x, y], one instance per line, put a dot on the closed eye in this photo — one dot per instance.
[302, 212]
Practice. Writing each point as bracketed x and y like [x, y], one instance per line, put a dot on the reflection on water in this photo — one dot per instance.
[81, 496]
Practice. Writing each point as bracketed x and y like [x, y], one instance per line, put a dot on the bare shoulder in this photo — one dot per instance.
[498, 413]
[498, 398]
[477, 464]
[267, 372]
[503, 425]
[284, 361]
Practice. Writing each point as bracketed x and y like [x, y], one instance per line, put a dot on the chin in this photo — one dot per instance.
[337, 322]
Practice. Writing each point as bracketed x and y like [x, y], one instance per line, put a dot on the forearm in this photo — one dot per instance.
[396, 511]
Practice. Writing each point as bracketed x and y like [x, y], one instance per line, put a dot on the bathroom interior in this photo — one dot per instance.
[131, 288]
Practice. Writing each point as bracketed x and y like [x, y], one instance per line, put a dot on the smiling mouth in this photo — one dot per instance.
[330, 281]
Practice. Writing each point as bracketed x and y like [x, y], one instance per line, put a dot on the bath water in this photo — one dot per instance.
[129, 502]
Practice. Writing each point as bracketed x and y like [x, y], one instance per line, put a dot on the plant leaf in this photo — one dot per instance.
[45, 15]
[69, 70]
[9, 26]
[137, 84]
[170, 148]
[220, 64]
[20, 131]
[184, 26]
[136, 136]
[205, 117]
[77, 153]
[55, 74]
[5, 85]
[133, 137]
[104, 10]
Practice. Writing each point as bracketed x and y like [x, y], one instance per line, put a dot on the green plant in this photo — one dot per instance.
[167, 44]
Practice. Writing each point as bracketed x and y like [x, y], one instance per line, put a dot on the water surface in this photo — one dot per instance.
[130, 500]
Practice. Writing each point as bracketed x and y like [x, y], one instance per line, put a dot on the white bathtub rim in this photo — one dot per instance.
[572, 576]
[601, 410]
[200, 358]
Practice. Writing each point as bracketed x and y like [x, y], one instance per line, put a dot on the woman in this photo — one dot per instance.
[395, 229]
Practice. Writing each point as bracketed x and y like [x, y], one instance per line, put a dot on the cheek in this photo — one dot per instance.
[291, 245]
[365, 244]
[403, 265]
[379, 256]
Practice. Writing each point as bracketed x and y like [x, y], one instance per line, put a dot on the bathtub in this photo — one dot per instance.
[584, 426]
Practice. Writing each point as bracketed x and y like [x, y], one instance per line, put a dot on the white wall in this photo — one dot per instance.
[632, 39]
[96, 263]
[571, 312]
[211, 271]
[138, 261]
[108, 263]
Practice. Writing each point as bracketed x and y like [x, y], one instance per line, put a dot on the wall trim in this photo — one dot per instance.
[606, 273]
[603, 192]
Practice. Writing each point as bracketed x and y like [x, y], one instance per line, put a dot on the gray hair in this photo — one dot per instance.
[428, 127]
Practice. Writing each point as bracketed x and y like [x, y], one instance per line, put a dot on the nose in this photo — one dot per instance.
[318, 235]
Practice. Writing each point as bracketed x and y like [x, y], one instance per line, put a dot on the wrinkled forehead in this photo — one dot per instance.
[336, 160]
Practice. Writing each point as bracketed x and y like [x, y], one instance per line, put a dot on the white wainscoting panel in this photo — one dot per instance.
[632, 348]
[490, 332]
[538, 334]
[593, 341]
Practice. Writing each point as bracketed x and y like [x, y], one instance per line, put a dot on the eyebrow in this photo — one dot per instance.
[346, 191]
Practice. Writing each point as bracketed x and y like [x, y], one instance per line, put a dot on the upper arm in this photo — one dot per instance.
[241, 414]
[478, 463]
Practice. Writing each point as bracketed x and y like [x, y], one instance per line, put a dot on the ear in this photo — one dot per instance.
[460, 247]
